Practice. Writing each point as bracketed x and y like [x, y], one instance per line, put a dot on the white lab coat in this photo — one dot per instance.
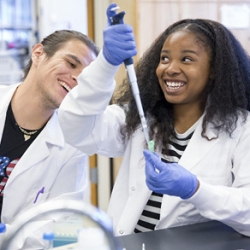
[48, 163]
[222, 165]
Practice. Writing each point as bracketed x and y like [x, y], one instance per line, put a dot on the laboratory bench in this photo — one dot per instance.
[210, 235]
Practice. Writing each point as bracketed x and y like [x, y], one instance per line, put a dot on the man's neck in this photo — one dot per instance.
[28, 110]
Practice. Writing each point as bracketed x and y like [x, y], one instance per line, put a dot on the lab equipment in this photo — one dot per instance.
[119, 41]
[91, 239]
[2, 228]
[49, 237]
[2, 231]
[38, 212]
[118, 19]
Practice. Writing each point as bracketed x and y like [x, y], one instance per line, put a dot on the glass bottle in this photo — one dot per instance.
[49, 237]
[91, 239]
[2, 231]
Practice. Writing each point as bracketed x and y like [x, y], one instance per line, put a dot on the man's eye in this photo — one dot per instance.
[72, 64]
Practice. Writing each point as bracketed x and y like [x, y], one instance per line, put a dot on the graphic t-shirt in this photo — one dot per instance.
[12, 147]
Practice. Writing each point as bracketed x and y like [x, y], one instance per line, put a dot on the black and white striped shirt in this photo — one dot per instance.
[151, 213]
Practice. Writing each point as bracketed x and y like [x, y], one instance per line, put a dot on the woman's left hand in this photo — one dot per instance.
[169, 178]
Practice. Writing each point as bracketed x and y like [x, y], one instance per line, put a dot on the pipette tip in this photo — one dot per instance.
[151, 146]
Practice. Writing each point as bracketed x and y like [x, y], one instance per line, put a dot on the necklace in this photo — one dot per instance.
[27, 134]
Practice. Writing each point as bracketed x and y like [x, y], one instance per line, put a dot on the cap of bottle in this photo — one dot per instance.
[2, 227]
[48, 236]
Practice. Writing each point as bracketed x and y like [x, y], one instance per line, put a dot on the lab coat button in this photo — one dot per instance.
[133, 188]
[120, 232]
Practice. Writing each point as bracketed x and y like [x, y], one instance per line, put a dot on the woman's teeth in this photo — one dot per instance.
[174, 85]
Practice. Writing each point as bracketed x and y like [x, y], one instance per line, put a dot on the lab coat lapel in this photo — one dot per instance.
[39, 150]
[137, 169]
[6, 94]
[198, 147]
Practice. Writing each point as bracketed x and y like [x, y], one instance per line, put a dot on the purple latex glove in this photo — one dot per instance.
[169, 178]
[119, 42]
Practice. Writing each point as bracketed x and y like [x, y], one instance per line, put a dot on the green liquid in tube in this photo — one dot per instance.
[151, 146]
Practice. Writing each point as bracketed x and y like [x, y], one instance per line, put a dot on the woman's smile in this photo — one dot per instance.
[174, 86]
[184, 69]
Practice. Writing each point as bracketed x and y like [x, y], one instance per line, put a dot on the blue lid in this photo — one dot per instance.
[48, 236]
[2, 227]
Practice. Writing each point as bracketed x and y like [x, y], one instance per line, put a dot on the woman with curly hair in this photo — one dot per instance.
[194, 84]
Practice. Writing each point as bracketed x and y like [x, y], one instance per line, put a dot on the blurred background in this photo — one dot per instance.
[23, 23]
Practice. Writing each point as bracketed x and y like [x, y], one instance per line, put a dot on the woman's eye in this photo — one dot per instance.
[187, 59]
[164, 59]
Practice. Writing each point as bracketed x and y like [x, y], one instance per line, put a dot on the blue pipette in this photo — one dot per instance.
[129, 65]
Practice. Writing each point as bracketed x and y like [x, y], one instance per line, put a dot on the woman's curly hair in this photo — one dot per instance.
[227, 92]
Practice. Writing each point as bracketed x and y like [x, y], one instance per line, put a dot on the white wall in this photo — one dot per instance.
[62, 14]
